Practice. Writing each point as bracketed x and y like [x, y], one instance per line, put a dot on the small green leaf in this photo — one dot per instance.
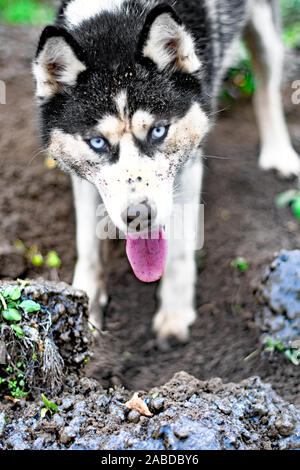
[285, 198]
[296, 207]
[12, 293]
[12, 304]
[30, 306]
[240, 263]
[37, 259]
[20, 245]
[48, 404]
[18, 330]
[11, 314]
[53, 260]
[292, 356]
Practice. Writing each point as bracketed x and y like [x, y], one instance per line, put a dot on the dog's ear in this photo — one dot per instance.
[165, 40]
[58, 62]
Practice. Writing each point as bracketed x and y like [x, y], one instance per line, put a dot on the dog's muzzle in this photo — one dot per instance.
[140, 216]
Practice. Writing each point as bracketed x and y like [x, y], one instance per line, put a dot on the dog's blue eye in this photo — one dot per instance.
[159, 133]
[98, 144]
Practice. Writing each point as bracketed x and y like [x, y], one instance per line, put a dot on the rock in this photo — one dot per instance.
[285, 423]
[64, 349]
[66, 435]
[133, 416]
[157, 404]
[279, 295]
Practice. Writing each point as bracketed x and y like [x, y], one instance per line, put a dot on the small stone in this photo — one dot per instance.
[133, 416]
[224, 406]
[31, 411]
[182, 432]
[260, 409]
[285, 424]
[66, 435]
[60, 308]
[158, 404]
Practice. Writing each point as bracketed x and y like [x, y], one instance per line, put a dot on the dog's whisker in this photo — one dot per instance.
[217, 157]
[36, 154]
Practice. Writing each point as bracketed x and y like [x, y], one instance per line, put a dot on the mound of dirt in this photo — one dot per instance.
[279, 293]
[186, 414]
[48, 338]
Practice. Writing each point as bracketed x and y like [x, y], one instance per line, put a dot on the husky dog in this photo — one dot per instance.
[126, 92]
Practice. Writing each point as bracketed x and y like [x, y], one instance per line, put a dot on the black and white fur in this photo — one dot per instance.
[118, 68]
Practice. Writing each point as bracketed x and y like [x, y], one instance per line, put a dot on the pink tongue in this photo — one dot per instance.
[147, 257]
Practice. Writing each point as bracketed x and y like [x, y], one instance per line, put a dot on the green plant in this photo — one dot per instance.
[49, 406]
[292, 353]
[290, 198]
[12, 308]
[15, 380]
[33, 255]
[53, 260]
[239, 263]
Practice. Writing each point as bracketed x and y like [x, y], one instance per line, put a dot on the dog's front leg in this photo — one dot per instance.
[88, 270]
[176, 293]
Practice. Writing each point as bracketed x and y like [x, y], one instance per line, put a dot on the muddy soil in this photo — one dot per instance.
[241, 219]
[186, 414]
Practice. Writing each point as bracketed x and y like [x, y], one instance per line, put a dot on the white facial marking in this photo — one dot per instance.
[149, 177]
[112, 128]
[187, 132]
[80, 10]
[141, 123]
[70, 150]
[121, 102]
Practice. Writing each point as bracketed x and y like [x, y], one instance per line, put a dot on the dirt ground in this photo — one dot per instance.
[241, 219]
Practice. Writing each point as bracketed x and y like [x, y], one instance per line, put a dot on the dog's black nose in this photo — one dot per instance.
[141, 214]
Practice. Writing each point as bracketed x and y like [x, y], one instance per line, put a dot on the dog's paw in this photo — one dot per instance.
[167, 324]
[285, 161]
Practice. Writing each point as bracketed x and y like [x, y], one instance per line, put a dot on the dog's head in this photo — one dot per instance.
[125, 120]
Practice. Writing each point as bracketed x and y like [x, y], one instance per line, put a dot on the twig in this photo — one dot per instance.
[251, 355]
[3, 302]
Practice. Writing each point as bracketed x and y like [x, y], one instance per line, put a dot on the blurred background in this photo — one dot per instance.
[239, 81]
